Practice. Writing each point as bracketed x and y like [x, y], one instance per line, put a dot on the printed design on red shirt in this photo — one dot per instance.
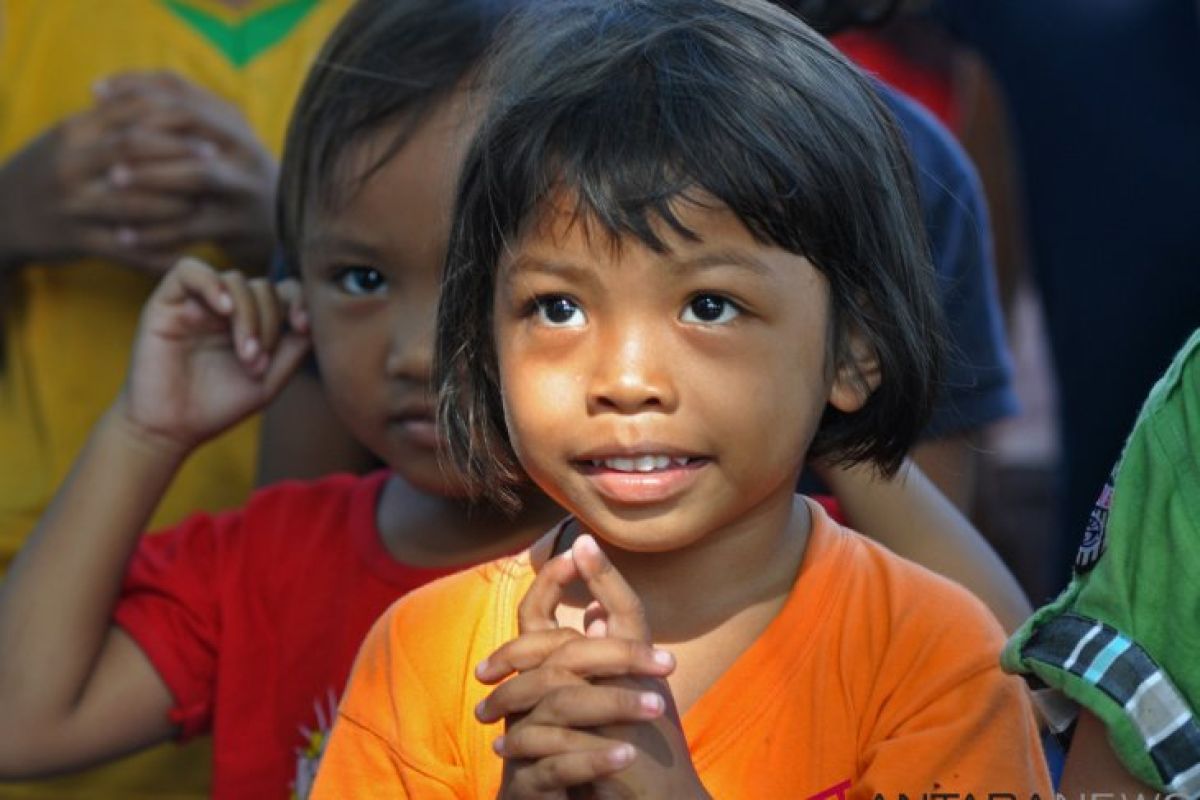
[312, 747]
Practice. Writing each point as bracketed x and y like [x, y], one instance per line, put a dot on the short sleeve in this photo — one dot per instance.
[977, 383]
[169, 606]
[944, 718]
[365, 757]
[1122, 639]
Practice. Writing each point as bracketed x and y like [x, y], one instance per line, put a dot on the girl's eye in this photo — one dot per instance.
[710, 309]
[360, 280]
[559, 312]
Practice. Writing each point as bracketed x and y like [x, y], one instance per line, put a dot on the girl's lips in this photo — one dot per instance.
[634, 487]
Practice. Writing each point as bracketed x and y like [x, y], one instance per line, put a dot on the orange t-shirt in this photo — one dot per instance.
[877, 677]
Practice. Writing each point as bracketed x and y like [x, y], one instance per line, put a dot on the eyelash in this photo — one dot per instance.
[729, 305]
[343, 275]
[537, 306]
[541, 306]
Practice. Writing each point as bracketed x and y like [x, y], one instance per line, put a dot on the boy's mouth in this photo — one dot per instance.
[419, 426]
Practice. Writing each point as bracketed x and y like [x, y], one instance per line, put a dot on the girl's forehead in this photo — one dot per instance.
[565, 221]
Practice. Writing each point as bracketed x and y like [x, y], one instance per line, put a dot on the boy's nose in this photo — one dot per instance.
[629, 378]
[410, 354]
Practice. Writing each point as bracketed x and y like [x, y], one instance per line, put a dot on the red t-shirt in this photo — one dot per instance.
[253, 618]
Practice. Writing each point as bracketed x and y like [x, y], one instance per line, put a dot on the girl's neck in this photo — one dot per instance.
[749, 564]
[427, 530]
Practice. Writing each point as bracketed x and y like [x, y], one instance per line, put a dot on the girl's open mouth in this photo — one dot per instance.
[642, 479]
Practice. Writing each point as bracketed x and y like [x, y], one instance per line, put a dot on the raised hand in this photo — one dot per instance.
[587, 716]
[211, 349]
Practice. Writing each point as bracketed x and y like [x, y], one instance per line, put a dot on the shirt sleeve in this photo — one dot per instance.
[168, 605]
[364, 758]
[944, 718]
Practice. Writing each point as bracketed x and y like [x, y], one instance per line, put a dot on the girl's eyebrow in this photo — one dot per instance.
[525, 264]
[731, 257]
[342, 245]
[706, 260]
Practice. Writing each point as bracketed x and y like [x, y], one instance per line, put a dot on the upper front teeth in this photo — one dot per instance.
[640, 463]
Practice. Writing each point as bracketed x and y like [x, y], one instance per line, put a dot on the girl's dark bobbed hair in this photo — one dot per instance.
[630, 106]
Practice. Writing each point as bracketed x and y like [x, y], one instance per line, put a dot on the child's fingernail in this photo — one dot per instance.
[120, 175]
[498, 746]
[100, 88]
[481, 709]
[481, 668]
[224, 302]
[250, 348]
[587, 544]
[663, 658]
[651, 702]
[621, 755]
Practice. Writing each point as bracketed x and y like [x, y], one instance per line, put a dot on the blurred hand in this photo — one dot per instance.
[212, 348]
[156, 167]
[229, 176]
[58, 200]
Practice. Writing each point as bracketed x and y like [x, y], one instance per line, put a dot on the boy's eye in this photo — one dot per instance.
[711, 309]
[559, 312]
[360, 280]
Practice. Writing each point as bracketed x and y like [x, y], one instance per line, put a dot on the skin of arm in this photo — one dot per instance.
[951, 464]
[74, 689]
[1092, 766]
[909, 516]
[87, 676]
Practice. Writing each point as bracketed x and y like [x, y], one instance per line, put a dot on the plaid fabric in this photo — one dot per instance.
[1102, 657]
[1123, 640]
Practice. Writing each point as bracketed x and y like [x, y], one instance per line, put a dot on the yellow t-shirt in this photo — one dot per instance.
[877, 677]
[67, 328]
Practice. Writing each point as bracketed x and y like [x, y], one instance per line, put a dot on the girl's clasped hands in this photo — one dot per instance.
[590, 709]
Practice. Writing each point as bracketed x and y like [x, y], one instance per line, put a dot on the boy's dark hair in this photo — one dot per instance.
[633, 105]
[387, 62]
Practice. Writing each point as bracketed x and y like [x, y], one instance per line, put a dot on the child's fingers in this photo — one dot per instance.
[557, 773]
[625, 617]
[530, 742]
[566, 649]
[245, 317]
[560, 697]
[182, 176]
[191, 278]
[134, 206]
[595, 620]
[270, 313]
[610, 656]
[292, 299]
[526, 652]
[536, 611]
[285, 360]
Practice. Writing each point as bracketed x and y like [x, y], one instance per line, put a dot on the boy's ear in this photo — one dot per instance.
[856, 376]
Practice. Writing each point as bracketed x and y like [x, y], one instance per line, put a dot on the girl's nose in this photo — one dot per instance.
[630, 378]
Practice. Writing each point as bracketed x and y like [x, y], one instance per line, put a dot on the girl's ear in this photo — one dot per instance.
[857, 374]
